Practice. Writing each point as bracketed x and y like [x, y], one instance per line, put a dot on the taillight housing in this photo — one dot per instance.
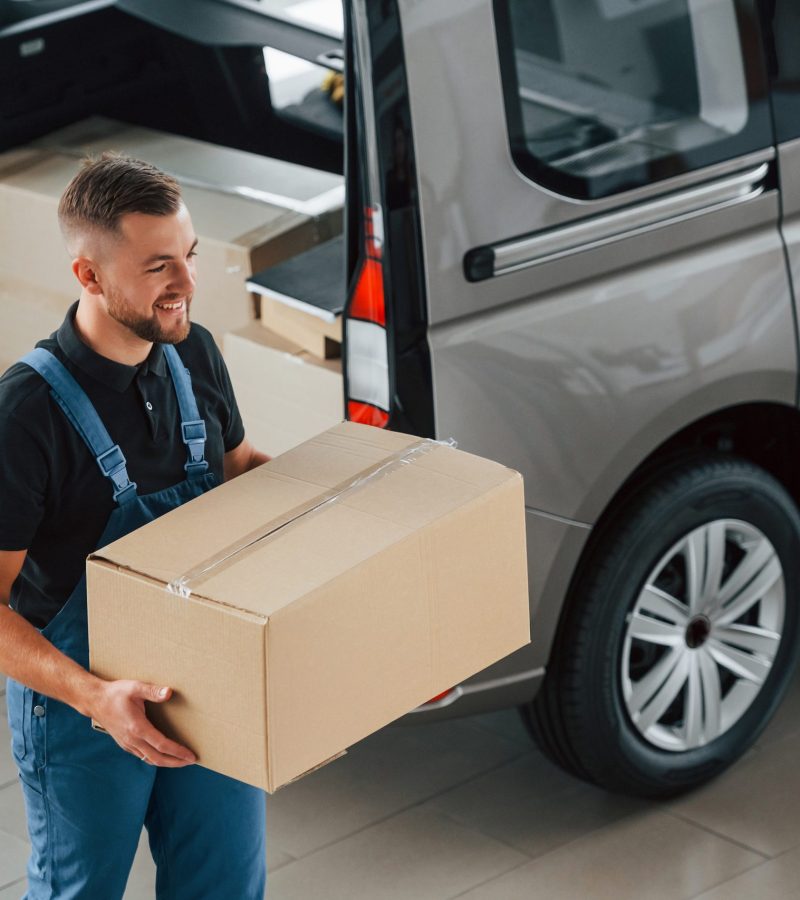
[386, 359]
[366, 340]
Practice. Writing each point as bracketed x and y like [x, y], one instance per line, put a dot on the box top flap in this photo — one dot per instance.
[217, 216]
[348, 492]
[252, 504]
[201, 164]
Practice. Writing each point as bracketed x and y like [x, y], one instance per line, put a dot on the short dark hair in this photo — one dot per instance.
[108, 187]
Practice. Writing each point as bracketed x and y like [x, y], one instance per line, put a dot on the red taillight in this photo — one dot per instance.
[368, 302]
[372, 241]
[366, 414]
[366, 340]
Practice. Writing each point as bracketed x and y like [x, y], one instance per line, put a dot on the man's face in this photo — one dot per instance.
[148, 276]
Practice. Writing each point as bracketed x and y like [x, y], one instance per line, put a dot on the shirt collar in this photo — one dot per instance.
[116, 375]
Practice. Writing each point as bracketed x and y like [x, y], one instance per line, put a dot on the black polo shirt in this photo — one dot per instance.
[54, 501]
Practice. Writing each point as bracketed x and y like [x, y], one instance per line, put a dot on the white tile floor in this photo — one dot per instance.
[470, 809]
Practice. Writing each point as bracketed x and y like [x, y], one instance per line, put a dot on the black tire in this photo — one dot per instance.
[579, 717]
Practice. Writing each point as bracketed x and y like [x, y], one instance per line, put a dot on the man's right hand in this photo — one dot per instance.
[118, 708]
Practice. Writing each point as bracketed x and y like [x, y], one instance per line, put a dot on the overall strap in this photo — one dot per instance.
[77, 407]
[193, 428]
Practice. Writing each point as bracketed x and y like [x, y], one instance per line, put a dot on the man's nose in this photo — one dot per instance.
[183, 282]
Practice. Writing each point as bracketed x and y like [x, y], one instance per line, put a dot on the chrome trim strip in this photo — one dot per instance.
[510, 256]
[562, 519]
[463, 690]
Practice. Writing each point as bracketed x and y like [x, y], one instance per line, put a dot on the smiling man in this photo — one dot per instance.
[124, 413]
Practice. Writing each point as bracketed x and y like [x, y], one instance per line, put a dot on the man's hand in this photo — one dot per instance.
[119, 709]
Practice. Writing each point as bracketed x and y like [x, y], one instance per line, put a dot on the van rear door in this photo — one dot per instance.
[385, 353]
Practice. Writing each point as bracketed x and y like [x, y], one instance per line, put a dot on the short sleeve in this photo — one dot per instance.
[23, 485]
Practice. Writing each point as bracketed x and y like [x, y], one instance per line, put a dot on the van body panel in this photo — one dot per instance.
[576, 387]
[789, 166]
[789, 162]
[574, 369]
[554, 548]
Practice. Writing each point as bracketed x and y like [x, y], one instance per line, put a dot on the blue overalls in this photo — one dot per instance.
[87, 798]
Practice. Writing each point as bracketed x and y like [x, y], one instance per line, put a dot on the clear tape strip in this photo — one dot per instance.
[184, 584]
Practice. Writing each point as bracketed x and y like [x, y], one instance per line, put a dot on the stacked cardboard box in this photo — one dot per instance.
[306, 604]
[285, 394]
[248, 211]
[315, 335]
[30, 313]
[302, 298]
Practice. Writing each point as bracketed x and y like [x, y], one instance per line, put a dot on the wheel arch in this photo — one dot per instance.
[764, 433]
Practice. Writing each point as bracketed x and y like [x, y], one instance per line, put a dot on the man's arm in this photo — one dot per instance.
[29, 658]
[243, 458]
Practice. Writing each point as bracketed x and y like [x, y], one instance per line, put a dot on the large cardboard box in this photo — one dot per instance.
[285, 395]
[303, 298]
[309, 602]
[30, 313]
[316, 335]
[249, 212]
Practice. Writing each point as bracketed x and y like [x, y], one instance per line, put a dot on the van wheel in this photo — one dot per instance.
[681, 634]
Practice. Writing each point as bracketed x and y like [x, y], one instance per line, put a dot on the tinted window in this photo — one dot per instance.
[607, 95]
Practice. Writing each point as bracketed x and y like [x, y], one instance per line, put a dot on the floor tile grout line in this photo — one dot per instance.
[469, 827]
[730, 878]
[474, 887]
[718, 834]
[12, 883]
[405, 809]
[762, 861]
[542, 854]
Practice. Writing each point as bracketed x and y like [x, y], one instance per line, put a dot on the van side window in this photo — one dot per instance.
[607, 95]
[786, 78]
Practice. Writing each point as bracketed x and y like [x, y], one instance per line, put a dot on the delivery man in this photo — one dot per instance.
[124, 413]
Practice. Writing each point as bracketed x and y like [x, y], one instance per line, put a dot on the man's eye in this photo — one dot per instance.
[159, 269]
[193, 253]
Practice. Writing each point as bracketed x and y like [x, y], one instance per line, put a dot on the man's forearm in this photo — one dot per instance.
[28, 657]
[257, 459]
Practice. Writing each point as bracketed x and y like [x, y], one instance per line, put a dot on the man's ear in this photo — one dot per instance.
[85, 271]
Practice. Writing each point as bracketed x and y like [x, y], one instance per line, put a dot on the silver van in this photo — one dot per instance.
[572, 241]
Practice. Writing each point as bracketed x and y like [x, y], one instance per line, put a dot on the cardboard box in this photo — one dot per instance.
[30, 313]
[303, 298]
[249, 212]
[315, 598]
[311, 333]
[285, 395]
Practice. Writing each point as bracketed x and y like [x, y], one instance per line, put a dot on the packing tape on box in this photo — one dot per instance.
[184, 584]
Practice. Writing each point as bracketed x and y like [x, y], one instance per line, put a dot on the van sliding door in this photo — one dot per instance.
[601, 230]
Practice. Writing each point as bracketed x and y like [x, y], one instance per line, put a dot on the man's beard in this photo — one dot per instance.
[148, 328]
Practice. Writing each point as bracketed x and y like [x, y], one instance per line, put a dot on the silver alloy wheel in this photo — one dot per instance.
[703, 635]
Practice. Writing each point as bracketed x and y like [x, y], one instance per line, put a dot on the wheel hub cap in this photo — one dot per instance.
[697, 632]
[702, 635]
